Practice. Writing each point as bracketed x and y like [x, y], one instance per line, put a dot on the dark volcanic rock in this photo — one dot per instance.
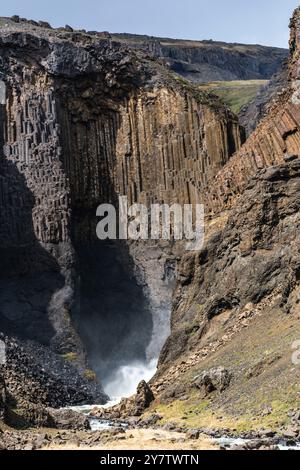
[33, 374]
[68, 419]
[218, 378]
[230, 273]
[143, 398]
[63, 95]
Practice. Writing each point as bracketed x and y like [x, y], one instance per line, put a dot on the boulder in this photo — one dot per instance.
[68, 28]
[45, 24]
[69, 419]
[144, 397]
[214, 379]
[193, 434]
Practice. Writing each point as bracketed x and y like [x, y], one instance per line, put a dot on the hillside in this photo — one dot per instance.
[236, 94]
[208, 61]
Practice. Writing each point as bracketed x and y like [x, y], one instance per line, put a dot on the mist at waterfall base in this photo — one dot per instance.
[124, 381]
[122, 334]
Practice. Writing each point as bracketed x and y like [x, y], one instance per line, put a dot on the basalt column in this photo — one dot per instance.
[157, 146]
[36, 291]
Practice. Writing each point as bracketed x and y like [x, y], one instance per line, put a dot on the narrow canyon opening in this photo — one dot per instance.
[123, 292]
[114, 319]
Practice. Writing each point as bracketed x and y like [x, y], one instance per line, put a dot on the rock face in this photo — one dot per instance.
[231, 272]
[2, 398]
[206, 61]
[276, 138]
[245, 281]
[251, 115]
[143, 399]
[34, 375]
[82, 120]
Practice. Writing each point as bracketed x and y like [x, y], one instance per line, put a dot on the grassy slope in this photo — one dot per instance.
[235, 94]
[257, 400]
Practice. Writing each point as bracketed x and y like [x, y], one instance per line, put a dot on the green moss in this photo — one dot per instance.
[70, 356]
[90, 375]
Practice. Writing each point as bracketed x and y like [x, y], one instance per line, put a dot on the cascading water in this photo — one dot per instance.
[125, 379]
[122, 331]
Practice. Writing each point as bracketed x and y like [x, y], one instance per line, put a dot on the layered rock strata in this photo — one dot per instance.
[236, 303]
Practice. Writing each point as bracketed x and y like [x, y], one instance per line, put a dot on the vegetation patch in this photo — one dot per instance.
[235, 94]
[90, 375]
[70, 356]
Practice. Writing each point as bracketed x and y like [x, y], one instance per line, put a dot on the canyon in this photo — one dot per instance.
[86, 117]
[84, 120]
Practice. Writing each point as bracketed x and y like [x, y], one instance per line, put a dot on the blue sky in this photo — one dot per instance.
[248, 21]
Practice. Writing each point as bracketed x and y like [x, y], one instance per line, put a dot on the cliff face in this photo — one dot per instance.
[206, 61]
[274, 140]
[83, 120]
[235, 316]
[253, 113]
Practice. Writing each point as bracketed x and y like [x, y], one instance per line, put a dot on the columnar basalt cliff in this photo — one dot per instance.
[83, 120]
[275, 139]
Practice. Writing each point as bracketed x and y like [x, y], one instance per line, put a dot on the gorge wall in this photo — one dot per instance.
[273, 141]
[228, 362]
[84, 119]
[207, 61]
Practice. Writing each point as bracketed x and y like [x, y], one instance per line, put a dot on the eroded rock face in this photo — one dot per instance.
[143, 399]
[244, 263]
[248, 269]
[253, 113]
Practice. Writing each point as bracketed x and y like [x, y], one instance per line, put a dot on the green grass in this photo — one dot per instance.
[195, 413]
[235, 94]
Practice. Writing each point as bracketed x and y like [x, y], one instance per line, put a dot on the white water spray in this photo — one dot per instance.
[126, 378]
